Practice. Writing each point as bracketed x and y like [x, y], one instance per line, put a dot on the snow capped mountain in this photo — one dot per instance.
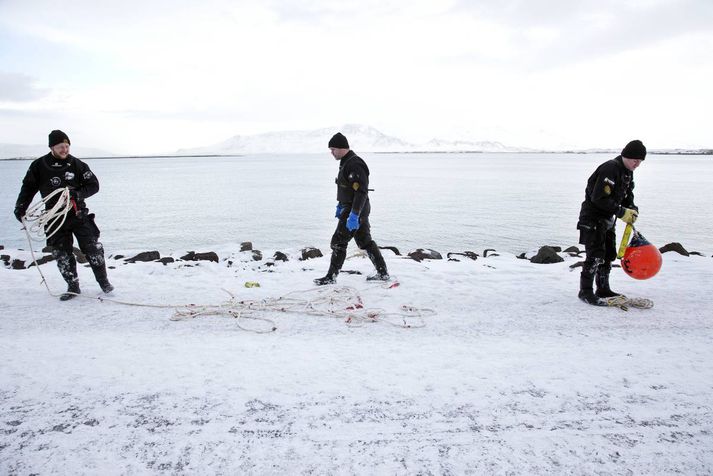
[362, 138]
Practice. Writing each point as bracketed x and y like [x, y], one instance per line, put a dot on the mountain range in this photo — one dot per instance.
[362, 138]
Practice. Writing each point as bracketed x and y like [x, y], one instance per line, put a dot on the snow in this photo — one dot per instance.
[514, 375]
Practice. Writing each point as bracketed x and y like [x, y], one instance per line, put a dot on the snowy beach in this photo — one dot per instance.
[513, 375]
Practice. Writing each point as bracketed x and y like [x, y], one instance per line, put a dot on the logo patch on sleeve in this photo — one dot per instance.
[607, 189]
[87, 175]
[355, 186]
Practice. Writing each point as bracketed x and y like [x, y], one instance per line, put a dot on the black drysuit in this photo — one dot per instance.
[353, 195]
[609, 190]
[46, 175]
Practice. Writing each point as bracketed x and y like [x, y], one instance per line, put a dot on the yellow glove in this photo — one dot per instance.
[630, 215]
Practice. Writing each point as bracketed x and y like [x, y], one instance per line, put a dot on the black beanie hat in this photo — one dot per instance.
[634, 150]
[57, 137]
[338, 141]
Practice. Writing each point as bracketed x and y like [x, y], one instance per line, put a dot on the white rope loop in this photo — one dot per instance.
[41, 222]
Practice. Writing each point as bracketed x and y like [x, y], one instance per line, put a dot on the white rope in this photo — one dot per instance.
[41, 223]
[342, 302]
[624, 303]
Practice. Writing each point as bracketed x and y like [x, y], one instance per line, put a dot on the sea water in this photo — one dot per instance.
[446, 201]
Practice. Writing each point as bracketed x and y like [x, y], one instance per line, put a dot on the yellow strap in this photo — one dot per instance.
[625, 240]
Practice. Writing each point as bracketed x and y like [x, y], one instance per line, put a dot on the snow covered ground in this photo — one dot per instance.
[513, 375]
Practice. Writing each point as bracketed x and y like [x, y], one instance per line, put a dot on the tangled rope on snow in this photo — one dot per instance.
[342, 302]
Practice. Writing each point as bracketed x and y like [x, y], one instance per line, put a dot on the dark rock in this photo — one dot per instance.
[2, 247]
[81, 259]
[6, 259]
[269, 264]
[675, 246]
[145, 257]
[578, 264]
[257, 255]
[246, 246]
[42, 260]
[118, 256]
[546, 255]
[468, 254]
[697, 253]
[280, 256]
[17, 264]
[572, 249]
[420, 254]
[47, 249]
[308, 253]
[165, 260]
[521, 256]
[392, 248]
[558, 249]
[485, 252]
[349, 271]
[193, 256]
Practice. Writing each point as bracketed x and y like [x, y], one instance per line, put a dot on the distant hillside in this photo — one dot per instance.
[362, 138]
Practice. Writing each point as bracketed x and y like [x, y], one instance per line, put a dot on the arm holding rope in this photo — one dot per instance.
[28, 190]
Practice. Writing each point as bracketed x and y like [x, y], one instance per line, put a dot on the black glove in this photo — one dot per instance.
[19, 213]
[74, 194]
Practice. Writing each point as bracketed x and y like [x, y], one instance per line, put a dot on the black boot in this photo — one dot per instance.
[101, 277]
[374, 253]
[95, 256]
[67, 266]
[602, 279]
[586, 282]
[335, 265]
[328, 279]
[72, 291]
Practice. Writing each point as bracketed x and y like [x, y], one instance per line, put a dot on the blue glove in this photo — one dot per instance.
[353, 222]
[340, 209]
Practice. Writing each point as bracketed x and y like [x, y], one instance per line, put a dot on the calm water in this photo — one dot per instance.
[449, 202]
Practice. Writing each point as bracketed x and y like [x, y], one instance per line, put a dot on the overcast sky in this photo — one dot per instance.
[154, 76]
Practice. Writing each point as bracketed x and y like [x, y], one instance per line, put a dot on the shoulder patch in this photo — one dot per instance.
[355, 186]
[607, 189]
[87, 175]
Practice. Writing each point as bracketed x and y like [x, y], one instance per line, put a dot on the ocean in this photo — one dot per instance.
[445, 201]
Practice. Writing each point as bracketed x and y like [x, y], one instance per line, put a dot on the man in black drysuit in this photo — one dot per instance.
[609, 194]
[352, 211]
[59, 169]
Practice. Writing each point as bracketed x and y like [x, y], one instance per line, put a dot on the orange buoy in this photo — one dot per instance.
[641, 260]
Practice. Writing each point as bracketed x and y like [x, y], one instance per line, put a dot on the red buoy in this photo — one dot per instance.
[642, 260]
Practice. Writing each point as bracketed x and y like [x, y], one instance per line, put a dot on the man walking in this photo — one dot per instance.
[59, 169]
[609, 194]
[352, 211]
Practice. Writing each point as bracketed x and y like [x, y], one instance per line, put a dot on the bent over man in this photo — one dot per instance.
[352, 211]
[59, 169]
[609, 194]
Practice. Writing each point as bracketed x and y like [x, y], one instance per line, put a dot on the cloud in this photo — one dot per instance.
[16, 87]
[555, 33]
